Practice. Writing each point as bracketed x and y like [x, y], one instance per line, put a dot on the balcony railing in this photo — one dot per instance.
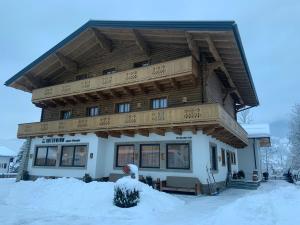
[206, 117]
[154, 73]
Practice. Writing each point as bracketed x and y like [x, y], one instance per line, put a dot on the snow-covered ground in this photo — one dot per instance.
[70, 201]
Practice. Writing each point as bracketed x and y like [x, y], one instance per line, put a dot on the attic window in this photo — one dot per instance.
[81, 77]
[141, 64]
[109, 71]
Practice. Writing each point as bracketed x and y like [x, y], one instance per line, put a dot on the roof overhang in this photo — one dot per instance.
[194, 27]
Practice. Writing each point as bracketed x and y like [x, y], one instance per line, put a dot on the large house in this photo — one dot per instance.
[6, 157]
[162, 95]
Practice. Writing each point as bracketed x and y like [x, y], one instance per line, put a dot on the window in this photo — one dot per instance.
[223, 157]
[178, 156]
[214, 157]
[73, 156]
[109, 71]
[159, 103]
[123, 107]
[3, 165]
[65, 115]
[46, 156]
[81, 77]
[125, 155]
[233, 159]
[141, 64]
[93, 111]
[149, 156]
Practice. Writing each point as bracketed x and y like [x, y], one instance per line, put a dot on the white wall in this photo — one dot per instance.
[3, 160]
[247, 160]
[90, 139]
[102, 163]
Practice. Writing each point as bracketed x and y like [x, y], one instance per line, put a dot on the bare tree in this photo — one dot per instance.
[245, 117]
[294, 137]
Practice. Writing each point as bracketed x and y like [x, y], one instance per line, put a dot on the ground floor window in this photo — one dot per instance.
[3, 165]
[149, 155]
[214, 157]
[223, 157]
[46, 156]
[73, 156]
[125, 155]
[233, 158]
[178, 156]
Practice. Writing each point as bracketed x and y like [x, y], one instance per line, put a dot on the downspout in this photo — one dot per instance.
[254, 153]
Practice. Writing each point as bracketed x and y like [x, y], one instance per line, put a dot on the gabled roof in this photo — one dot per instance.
[4, 151]
[257, 130]
[156, 25]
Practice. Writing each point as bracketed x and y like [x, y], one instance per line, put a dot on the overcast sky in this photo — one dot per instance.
[269, 30]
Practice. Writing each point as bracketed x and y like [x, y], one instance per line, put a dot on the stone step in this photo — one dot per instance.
[244, 185]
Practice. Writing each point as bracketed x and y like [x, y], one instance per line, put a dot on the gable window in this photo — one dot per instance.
[159, 103]
[81, 77]
[141, 64]
[109, 71]
[123, 107]
[46, 156]
[149, 156]
[93, 111]
[223, 157]
[73, 156]
[178, 156]
[214, 157]
[124, 155]
[65, 114]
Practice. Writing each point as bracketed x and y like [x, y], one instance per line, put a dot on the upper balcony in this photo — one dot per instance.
[212, 119]
[130, 82]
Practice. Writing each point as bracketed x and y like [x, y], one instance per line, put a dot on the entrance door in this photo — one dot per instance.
[228, 160]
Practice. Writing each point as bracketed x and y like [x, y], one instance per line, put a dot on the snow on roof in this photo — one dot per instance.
[257, 130]
[4, 151]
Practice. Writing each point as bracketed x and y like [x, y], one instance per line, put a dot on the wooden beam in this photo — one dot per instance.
[90, 97]
[128, 91]
[177, 130]
[79, 99]
[67, 63]
[59, 102]
[70, 101]
[141, 43]
[103, 41]
[129, 133]
[115, 94]
[116, 134]
[143, 132]
[175, 83]
[142, 89]
[101, 134]
[221, 65]
[102, 95]
[157, 86]
[159, 131]
[194, 129]
[194, 48]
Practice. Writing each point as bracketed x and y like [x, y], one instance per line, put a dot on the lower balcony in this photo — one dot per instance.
[212, 119]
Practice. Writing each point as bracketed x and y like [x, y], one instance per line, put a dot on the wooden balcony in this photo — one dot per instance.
[212, 119]
[114, 85]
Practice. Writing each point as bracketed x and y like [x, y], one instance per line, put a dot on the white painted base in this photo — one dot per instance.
[103, 161]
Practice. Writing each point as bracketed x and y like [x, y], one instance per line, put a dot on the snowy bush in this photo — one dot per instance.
[127, 192]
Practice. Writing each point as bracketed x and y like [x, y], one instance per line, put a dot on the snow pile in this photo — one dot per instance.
[74, 197]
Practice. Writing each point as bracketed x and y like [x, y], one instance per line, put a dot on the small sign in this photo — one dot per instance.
[183, 138]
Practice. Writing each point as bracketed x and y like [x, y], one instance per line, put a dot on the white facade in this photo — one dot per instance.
[102, 163]
[4, 164]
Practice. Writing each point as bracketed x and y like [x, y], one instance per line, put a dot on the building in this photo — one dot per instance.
[6, 157]
[163, 95]
[250, 157]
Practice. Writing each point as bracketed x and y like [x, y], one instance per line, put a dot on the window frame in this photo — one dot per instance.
[223, 157]
[46, 158]
[159, 98]
[189, 156]
[73, 157]
[109, 71]
[140, 156]
[216, 157]
[64, 111]
[81, 76]
[140, 63]
[117, 154]
[120, 103]
[92, 107]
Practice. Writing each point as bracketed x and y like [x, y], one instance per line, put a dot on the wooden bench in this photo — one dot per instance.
[113, 177]
[181, 184]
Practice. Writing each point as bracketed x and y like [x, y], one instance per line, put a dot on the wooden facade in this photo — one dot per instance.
[202, 74]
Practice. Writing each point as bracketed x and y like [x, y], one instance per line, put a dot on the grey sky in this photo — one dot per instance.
[269, 30]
